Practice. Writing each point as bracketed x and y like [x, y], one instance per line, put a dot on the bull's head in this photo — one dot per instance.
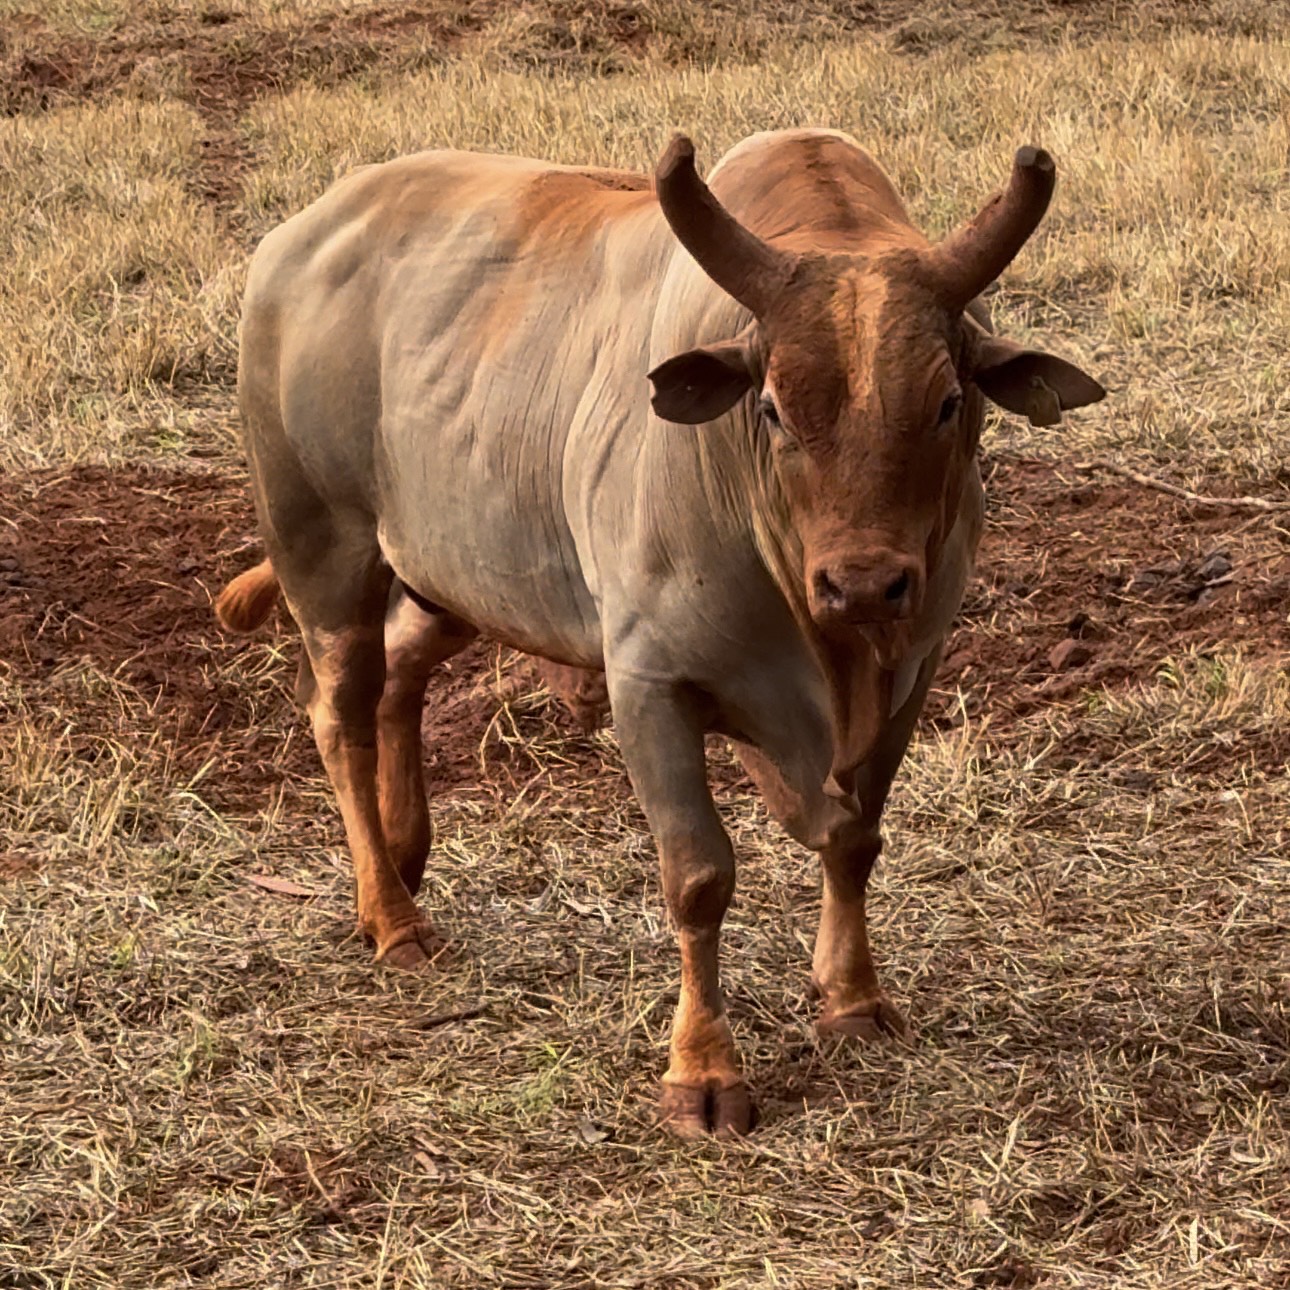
[870, 373]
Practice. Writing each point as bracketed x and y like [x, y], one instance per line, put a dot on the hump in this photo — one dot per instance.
[758, 148]
[816, 181]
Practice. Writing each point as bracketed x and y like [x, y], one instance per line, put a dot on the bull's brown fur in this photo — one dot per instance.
[443, 386]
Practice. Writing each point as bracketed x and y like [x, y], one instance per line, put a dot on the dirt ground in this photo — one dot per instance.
[1081, 584]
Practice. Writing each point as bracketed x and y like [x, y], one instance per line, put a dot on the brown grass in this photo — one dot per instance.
[1168, 242]
[205, 1082]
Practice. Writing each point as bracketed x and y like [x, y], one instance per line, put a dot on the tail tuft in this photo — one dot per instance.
[248, 600]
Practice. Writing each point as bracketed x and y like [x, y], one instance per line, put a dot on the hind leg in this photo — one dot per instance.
[416, 641]
[349, 674]
[339, 597]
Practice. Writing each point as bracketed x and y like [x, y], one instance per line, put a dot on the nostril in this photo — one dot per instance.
[827, 591]
[898, 589]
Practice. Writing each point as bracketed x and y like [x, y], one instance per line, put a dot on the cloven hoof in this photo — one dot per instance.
[696, 1112]
[872, 1021]
[421, 949]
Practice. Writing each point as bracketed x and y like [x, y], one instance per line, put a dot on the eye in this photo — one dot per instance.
[948, 408]
[768, 410]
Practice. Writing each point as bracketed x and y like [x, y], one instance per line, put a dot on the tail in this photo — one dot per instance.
[249, 599]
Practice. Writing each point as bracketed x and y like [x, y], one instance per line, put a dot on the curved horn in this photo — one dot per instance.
[737, 260]
[971, 257]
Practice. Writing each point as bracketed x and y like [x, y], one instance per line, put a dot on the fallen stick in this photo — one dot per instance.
[1150, 481]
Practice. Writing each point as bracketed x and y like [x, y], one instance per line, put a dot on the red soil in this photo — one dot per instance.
[118, 568]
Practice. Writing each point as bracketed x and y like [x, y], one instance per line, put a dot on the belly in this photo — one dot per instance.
[490, 542]
[541, 608]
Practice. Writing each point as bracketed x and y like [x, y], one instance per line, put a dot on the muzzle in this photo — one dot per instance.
[877, 587]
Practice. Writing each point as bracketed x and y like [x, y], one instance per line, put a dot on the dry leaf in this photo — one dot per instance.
[432, 1167]
[590, 1132]
[279, 886]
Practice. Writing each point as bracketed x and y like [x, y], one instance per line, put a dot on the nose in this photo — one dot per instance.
[882, 587]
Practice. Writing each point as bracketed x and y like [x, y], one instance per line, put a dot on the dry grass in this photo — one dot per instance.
[204, 1083]
[118, 303]
[1169, 243]
[207, 1085]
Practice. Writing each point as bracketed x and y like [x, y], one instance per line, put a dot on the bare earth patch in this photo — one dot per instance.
[115, 570]
[1086, 584]
[220, 60]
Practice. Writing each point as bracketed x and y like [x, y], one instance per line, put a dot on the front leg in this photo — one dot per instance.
[660, 729]
[851, 1000]
[848, 843]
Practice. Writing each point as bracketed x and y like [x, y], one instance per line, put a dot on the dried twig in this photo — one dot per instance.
[1174, 490]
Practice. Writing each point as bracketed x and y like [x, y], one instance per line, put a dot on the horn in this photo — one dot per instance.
[971, 257]
[737, 260]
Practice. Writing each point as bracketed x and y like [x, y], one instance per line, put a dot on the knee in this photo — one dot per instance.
[698, 881]
[850, 854]
[348, 679]
[343, 715]
[855, 837]
[335, 736]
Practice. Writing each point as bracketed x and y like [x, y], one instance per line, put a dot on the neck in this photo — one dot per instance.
[740, 478]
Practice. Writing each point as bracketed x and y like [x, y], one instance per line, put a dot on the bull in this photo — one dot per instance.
[442, 386]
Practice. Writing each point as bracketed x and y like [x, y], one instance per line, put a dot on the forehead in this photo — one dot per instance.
[865, 338]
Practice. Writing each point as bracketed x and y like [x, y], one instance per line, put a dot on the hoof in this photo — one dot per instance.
[417, 949]
[697, 1111]
[869, 1022]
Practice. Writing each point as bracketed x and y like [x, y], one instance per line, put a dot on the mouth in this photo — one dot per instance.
[849, 624]
[890, 642]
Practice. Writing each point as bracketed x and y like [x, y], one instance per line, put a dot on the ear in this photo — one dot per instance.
[701, 384]
[1031, 383]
